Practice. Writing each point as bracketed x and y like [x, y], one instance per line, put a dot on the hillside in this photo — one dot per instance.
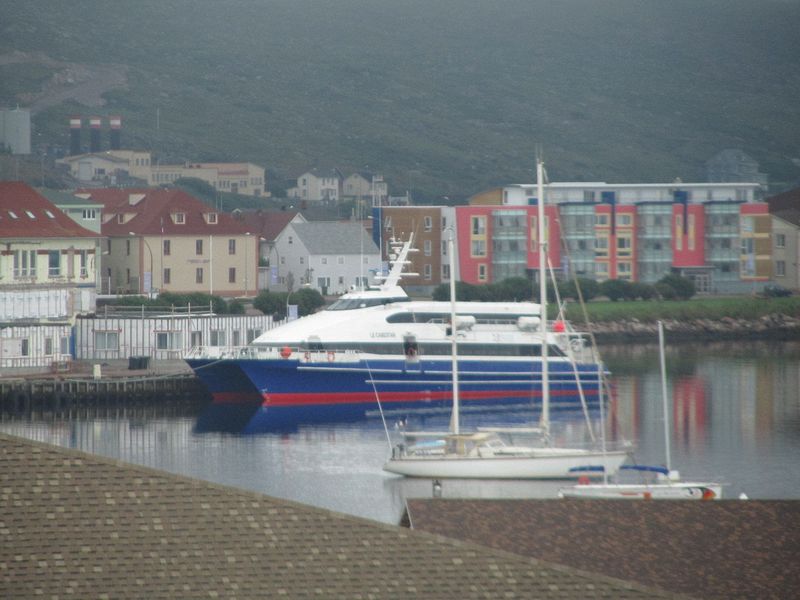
[446, 98]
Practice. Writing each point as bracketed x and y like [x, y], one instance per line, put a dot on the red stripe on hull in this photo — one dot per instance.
[388, 397]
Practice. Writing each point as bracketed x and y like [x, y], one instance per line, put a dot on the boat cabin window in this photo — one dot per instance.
[354, 303]
[442, 317]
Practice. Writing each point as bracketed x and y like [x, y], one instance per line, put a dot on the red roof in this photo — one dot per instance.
[154, 214]
[268, 225]
[24, 213]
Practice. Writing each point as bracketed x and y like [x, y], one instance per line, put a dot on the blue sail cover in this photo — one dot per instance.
[646, 468]
[588, 469]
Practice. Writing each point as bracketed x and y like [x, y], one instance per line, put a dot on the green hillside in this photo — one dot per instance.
[446, 98]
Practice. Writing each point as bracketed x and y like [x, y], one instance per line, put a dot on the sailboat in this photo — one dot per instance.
[667, 486]
[484, 454]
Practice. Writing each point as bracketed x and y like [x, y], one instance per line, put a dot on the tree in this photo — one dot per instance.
[308, 301]
[271, 303]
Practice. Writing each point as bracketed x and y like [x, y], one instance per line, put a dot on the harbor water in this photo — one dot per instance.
[734, 406]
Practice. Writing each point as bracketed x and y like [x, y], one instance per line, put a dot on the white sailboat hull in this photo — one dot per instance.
[681, 490]
[541, 463]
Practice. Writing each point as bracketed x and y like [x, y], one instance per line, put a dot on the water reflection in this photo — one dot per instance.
[735, 411]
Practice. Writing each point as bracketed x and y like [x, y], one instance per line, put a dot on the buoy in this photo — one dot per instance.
[286, 352]
[708, 494]
[558, 327]
[583, 480]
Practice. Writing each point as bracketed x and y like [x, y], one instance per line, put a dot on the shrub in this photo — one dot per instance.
[615, 289]
[683, 287]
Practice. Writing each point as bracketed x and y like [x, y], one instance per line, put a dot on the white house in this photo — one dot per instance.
[331, 257]
[318, 186]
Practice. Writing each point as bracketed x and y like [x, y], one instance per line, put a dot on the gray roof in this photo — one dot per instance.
[335, 237]
[63, 198]
[78, 525]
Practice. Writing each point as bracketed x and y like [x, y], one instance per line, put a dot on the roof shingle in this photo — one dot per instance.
[78, 525]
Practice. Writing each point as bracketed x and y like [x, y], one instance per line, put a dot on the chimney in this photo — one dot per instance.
[94, 133]
[74, 136]
[116, 130]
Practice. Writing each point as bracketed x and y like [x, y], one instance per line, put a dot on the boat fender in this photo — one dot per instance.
[286, 352]
[708, 494]
[331, 356]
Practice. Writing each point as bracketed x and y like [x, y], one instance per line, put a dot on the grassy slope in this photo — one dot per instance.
[446, 98]
[698, 308]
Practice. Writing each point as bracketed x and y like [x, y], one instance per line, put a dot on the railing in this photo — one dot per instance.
[148, 312]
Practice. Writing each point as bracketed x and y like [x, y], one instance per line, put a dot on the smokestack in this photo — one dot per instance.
[116, 128]
[95, 123]
[74, 136]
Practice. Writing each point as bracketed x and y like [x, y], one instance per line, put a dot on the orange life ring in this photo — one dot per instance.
[286, 352]
[331, 356]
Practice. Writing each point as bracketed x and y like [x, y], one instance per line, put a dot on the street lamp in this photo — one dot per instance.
[149, 287]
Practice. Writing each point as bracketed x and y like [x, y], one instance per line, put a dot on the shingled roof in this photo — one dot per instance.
[726, 549]
[24, 213]
[79, 525]
[335, 237]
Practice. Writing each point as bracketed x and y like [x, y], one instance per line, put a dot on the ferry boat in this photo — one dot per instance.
[379, 349]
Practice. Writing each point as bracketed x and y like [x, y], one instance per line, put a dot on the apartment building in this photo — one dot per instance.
[431, 226]
[166, 240]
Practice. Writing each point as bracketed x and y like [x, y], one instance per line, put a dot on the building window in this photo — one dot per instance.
[54, 263]
[127, 276]
[625, 220]
[217, 337]
[428, 272]
[446, 272]
[624, 245]
[198, 275]
[180, 218]
[340, 260]
[780, 268]
[25, 347]
[48, 346]
[231, 246]
[167, 248]
[482, 272]
[601, 246]
[198, 247]
[428, 221]
[90, 214]
[601, 220]
[427, 247]
[106, 340]
[212, 218]
[253, 334]
[232, 275]
[25, 263]
[387, 223]
[780, 240]
[167, 276]
[478, 248]
[84, 262]
[324, 260]
[478, 225]
[127, 247]
[168, 340]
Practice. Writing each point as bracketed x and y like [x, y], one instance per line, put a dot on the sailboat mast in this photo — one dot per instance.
[664, 399]
[545, 418]
[455, 416]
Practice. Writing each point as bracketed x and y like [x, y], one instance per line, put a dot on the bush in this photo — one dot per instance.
[615, 289]
[666, 291]
[683, 287]
[307, 300]
[645, 291]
